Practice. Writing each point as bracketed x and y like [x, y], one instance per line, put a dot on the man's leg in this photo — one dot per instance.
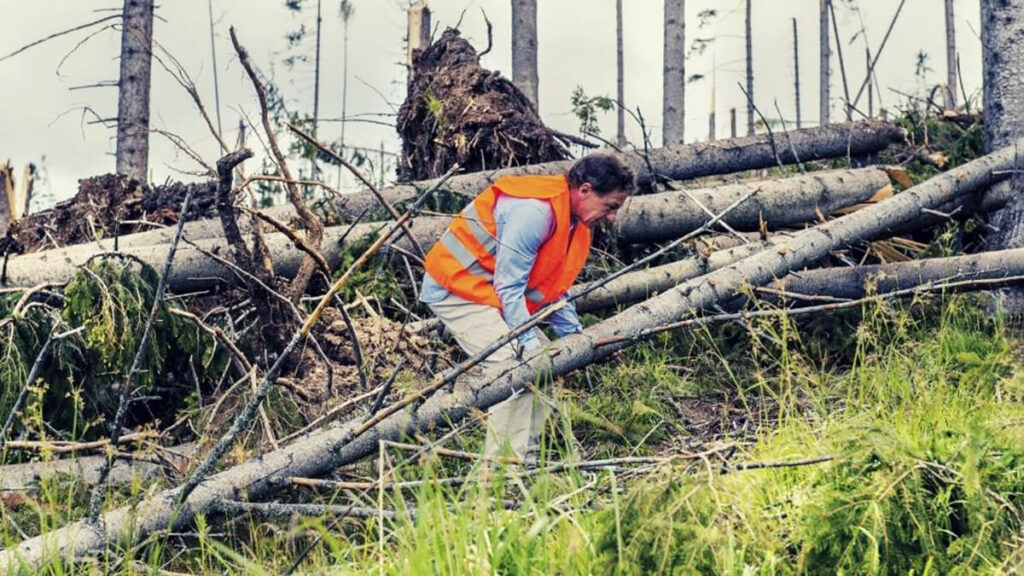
[518, 420]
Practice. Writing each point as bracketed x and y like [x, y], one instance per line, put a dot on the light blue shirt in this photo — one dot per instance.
[524, 224]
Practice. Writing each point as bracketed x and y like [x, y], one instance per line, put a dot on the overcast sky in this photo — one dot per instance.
[47, 117]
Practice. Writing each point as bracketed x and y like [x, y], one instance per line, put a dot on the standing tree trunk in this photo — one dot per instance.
[133, 98]
[950, 57]
[871, 93]
[796, 73]
[674, 74]
[524, 48]
[750, 73]
[346, 9]
[7, 201]
[620, 67]
[823, 43]
[1002, 24]
[316, 91]
[418, 31]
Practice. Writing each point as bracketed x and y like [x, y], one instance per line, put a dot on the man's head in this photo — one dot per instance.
[598, 186]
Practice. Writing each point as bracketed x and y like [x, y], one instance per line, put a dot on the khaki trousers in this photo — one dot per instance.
[517, 421]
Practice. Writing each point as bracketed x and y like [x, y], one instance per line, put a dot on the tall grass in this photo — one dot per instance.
[920, 414]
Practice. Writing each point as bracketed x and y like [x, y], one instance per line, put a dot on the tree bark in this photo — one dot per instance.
[316, 91]
[673, 110]
[1002, 24]
[804, 198]
[524, 49]
[326, 450]
[133, 97]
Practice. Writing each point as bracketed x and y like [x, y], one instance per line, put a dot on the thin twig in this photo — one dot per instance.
[314, 227]
[362, 178]
[247, 413]
[58, 34]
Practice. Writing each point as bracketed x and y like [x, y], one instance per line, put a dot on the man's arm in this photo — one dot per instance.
[523, 225]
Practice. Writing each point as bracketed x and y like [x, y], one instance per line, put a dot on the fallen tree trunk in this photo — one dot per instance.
[86, 469]
[642, 284]
[673, 163]
[784, 201]
[194, 269]
[841, 282]
[787, 201]
[856, 282]
[326, 450]
[688, 161]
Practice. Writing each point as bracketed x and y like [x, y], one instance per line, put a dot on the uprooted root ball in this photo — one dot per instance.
[457, 111]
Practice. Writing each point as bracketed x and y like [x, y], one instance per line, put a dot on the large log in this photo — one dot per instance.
[86, 469]
[688, 161]
[326, 450]
[859, 281]
[786, 201]
[642, 284]
[845, 282]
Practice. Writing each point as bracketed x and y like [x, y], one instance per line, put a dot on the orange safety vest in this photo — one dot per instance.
[463, 260]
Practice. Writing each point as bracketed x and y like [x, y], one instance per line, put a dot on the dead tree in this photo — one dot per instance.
[439, 405]
[747, 23]
[823, 67]
[133, 97]
[796, 73]
[673, 106]
[1002, 24]
[950, 57]
[346, 10]
[620, 132]
[524, 49]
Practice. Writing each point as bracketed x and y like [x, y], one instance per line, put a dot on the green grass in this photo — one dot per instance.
[921, 414]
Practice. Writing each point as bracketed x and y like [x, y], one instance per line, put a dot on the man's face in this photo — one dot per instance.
[592, 208]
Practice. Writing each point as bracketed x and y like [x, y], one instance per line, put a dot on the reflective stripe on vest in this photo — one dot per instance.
[463, 260]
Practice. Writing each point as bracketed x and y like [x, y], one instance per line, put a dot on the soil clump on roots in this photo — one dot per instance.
[457, 112]
[106, 206]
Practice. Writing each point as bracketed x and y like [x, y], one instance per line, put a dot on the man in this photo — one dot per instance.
[519, 246]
